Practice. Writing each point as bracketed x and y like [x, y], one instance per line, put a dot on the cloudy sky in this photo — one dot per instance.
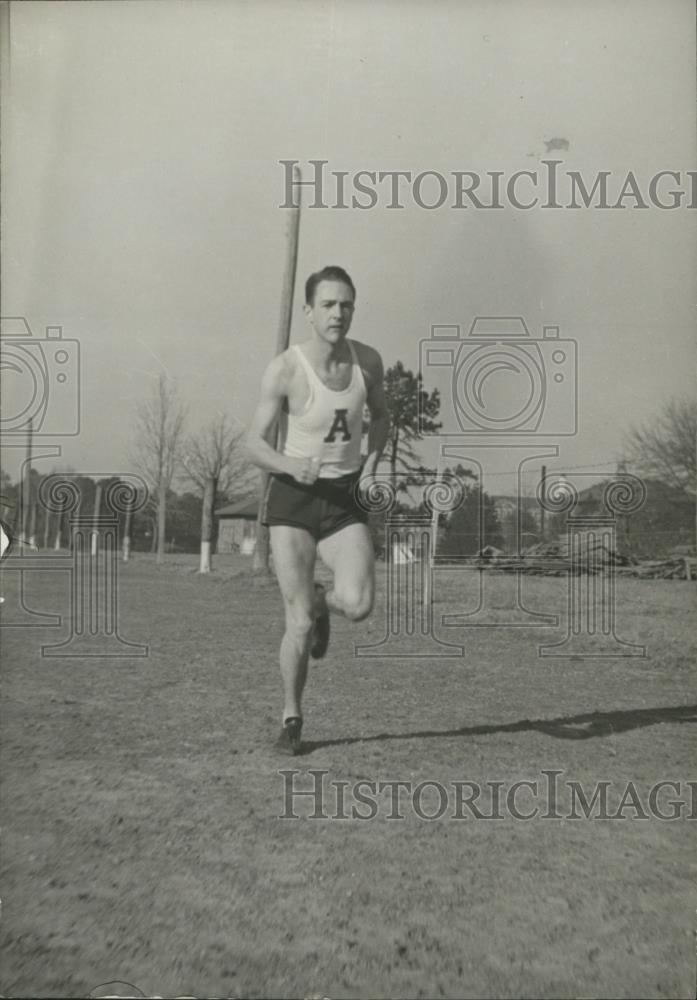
[141, 189]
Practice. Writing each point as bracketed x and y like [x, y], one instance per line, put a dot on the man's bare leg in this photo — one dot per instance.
[350, 556]
[294, 554]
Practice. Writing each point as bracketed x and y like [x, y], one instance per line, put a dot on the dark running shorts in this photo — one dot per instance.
[323, 508]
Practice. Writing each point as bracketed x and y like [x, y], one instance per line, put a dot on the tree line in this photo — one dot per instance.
[189, 476]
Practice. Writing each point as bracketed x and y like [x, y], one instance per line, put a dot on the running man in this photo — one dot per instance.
[322, 386]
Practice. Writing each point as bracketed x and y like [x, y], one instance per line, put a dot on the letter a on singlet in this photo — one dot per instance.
[339, 424]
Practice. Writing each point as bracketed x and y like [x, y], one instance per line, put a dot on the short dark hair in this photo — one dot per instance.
[329, 273]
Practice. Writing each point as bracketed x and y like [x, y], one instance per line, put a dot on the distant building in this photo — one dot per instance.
[237, 527]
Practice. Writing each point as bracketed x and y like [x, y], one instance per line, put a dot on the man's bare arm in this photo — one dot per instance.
[257, 447]
[379, 429]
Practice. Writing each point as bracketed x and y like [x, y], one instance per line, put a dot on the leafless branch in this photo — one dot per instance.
[667, 445]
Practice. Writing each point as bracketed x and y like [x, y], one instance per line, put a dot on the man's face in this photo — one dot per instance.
[331, 312]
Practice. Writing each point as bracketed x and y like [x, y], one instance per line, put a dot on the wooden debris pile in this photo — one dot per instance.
[675, 568]
[592, 556]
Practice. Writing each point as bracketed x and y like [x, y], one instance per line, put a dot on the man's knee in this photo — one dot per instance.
[299, 619]
[356, 605]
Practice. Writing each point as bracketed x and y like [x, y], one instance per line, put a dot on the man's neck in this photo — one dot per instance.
[326, 355]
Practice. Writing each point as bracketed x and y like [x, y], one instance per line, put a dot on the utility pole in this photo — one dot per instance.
[261, 549]
[623, 520]
[26, 501]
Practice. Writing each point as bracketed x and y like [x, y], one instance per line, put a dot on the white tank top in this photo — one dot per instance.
[330, 425]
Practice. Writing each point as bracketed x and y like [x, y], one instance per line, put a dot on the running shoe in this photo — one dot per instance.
[288, 741]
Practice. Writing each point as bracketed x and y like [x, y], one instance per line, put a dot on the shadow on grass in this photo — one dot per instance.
[570, 727]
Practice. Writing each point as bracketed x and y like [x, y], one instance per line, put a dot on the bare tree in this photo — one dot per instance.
[216, 453]
[159, 427]
[214, 463]
[667, 445]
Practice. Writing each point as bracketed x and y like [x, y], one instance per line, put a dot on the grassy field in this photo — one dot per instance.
[141, 804]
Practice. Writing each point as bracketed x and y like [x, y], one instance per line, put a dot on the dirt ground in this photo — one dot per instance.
[141, 804]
